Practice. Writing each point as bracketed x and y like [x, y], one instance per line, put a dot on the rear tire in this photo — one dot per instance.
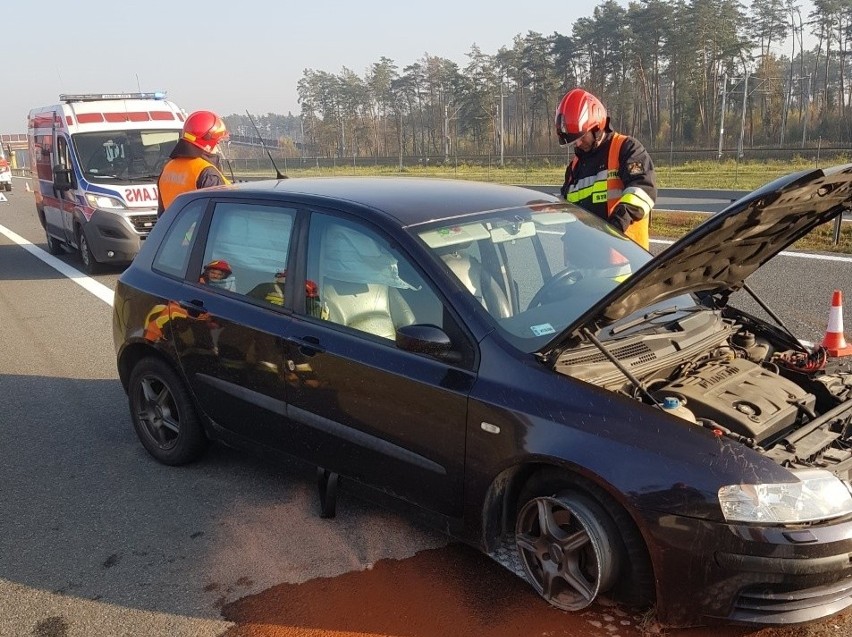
[54, 246]
[163, 414]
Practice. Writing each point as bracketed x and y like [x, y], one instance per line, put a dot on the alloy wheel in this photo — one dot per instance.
[566, 550]
[157, 412]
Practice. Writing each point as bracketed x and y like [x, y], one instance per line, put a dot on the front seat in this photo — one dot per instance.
[481, 284]
[369, 307]
[360, 284]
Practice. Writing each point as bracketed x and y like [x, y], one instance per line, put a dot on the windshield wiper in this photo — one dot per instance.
[650, 316]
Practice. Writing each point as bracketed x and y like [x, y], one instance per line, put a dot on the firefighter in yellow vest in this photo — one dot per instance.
[610, 175]
[193, 163]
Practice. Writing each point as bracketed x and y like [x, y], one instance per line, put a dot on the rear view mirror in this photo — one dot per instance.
[518, 230]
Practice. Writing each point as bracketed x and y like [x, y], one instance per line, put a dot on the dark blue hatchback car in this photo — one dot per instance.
[520, 371]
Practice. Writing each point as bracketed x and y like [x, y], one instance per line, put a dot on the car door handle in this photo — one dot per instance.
[308, 345]
[194, 307]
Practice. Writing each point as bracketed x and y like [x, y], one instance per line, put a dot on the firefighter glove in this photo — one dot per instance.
[621, 217]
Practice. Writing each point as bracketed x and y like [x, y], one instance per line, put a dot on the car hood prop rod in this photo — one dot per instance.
[774, 316]
[636, 382]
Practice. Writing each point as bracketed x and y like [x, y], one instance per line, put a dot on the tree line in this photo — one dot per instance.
[685, 73]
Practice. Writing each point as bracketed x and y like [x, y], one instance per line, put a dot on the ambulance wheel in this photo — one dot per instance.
[90, 264]
[53, 245]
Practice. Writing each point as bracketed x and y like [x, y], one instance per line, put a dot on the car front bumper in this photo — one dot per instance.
[711, 571]
[113, 237]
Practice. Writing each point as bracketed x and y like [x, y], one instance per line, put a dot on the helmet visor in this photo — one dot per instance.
[565, 137]
[568, 138]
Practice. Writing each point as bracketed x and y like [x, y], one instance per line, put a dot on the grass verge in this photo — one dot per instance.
[673, 225]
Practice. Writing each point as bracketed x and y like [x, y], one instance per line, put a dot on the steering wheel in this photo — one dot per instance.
[568, 276]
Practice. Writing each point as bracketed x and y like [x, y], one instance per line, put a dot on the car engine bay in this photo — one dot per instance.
[733, 374]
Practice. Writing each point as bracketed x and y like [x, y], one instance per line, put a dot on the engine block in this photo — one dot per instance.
[742, 396]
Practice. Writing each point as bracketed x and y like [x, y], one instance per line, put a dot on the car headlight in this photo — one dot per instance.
[104, 202]
[818, 495]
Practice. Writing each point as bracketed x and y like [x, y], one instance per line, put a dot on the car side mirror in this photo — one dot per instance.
[62, 178]
[427, 339]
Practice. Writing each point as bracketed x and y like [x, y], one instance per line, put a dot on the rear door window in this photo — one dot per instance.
[248, 243]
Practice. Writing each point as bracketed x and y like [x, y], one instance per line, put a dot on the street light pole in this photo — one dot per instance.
[722, 117]
[740, 152]
[501, 124]
[807, 101]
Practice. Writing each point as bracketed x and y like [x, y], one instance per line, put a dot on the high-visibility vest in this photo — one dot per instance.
[181, 175]
[614, 193]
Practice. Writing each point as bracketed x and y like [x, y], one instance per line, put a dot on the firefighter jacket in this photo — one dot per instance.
[189, 168]
[615, 181]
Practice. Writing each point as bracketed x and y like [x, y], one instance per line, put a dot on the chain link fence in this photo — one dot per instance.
[701, 168]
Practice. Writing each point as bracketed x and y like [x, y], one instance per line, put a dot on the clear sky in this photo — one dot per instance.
[247, 54]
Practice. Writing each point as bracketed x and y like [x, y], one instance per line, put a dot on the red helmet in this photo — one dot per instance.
[219, 264]
[204, 129]
[579, 112]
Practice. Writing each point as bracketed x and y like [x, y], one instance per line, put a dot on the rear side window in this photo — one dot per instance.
[249, 244]
[173, 255]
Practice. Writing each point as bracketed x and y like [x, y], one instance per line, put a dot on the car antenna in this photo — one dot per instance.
[278, 173]
[228, 161]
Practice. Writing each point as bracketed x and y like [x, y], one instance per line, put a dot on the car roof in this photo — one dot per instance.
[410, 200]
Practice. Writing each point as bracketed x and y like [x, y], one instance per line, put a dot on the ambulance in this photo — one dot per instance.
[95, 162]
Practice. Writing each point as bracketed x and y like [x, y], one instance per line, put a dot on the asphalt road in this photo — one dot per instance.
[97, 539]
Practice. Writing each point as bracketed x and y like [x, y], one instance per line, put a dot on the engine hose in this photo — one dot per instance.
[720, 430]
[806, 362]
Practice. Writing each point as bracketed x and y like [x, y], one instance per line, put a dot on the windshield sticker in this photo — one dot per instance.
[541, 330]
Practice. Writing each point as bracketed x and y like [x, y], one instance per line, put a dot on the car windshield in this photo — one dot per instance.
[125, 155]
[534, 269]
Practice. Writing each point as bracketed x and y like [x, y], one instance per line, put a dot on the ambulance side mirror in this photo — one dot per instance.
[62, 178]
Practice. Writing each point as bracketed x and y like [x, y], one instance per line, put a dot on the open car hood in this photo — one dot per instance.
[720, 254]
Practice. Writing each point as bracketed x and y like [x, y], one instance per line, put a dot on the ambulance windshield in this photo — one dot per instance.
[131, 156]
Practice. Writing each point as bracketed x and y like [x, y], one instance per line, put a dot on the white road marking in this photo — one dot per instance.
[101, 291]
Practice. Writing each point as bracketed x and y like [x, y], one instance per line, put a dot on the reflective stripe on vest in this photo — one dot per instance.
[181, 175]
[638, 230]
[607, 186]
[614, 185]
[604, 187]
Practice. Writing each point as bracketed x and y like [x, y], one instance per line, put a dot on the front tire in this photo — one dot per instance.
[569, 547]
[90, 264]
[163, 414]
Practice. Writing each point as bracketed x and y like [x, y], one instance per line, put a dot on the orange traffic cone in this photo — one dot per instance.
[834, 341]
